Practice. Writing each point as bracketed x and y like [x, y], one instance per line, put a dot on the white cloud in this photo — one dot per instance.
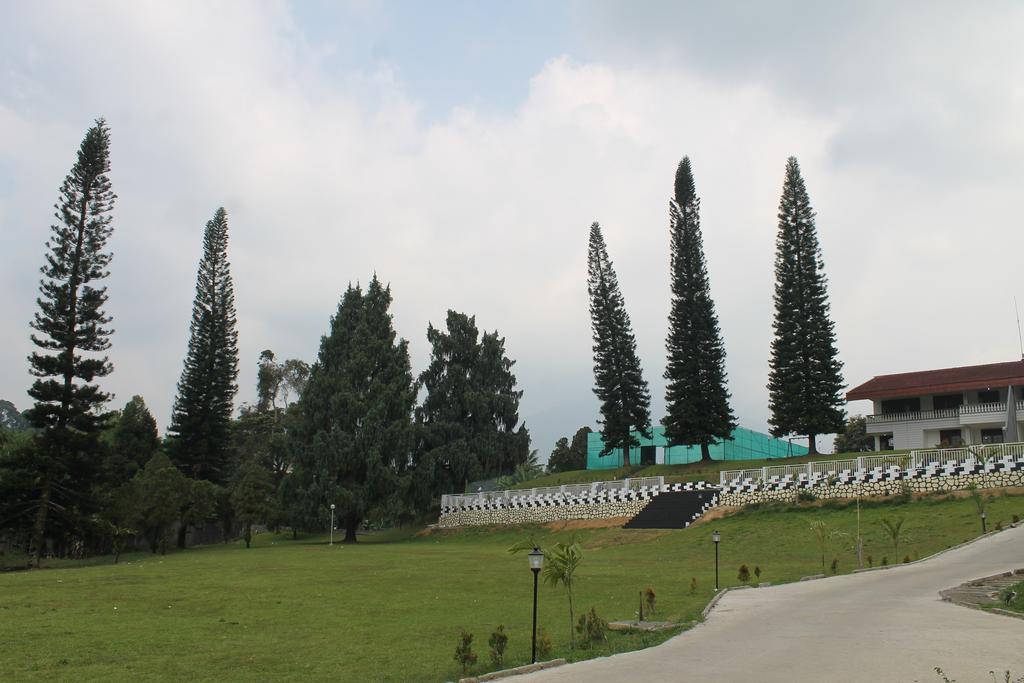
[327, 180]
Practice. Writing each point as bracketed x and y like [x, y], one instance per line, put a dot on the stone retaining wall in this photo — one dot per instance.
[956, 482]
[537, 515]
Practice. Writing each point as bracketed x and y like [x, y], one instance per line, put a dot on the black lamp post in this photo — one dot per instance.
[984, 530]
[536, 558]
[716, 537]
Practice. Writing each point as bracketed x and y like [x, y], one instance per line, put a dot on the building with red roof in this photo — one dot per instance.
[948, 407]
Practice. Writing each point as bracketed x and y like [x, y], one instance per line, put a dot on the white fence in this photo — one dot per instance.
[904, 461]
[456, 501]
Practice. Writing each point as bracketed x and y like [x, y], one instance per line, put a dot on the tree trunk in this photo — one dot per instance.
[625, 455]
[812, 444]
[572, 622]
[182, 535]
[705, 453]
[350, 530]
[39, 528]
[248, 535]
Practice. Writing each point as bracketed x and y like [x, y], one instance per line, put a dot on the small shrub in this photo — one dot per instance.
[693, 585]
[885, 561]
[999, 525]
[591, 628]
[805, 496]
[1016, 518]
[835, 565]
[650, 598]
[497, 642]
[871, 561]
[464, 654]
[744, 574]
[757, 572]
[906, 559]
[543, 644]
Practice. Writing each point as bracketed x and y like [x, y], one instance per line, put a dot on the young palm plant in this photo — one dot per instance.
[825, 536]
[560, 563]
[894, 530]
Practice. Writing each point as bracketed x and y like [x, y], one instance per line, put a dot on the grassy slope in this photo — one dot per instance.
[693, 471]
[391, 608]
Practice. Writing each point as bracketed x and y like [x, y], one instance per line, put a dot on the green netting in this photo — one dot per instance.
[746, 444]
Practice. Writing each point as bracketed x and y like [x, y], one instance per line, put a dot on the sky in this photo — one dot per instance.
[461, 150]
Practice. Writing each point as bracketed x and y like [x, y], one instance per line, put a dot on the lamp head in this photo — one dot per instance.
[536, 558]
[716, 536]
[332, 506]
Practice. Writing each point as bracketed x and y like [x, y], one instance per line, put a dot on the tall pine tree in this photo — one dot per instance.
[355, 427]
[71, 322]
[618, 379]
[696, 400]
[467, 425]
[805, 379]
[201, 422]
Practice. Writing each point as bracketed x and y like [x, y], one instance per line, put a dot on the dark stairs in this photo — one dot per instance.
[672, 510]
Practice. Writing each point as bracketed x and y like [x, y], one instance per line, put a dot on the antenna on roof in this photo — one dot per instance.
[1020, 339]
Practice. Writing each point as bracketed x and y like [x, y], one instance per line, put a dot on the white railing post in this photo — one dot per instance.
[860, 463]
[810, 470]
[764, 474]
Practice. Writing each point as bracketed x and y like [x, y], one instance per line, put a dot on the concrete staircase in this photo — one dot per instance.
[673, 510]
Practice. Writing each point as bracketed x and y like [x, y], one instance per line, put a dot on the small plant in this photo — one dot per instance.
[871, 561]
[591, 628]
[744, 573]
[835, 565]
[825, 536]
[757, 572]
[805, 496]
[943, 676]
[497, 642]
[894, 530]
[885, 561]
[1016, 518]
[906, 559]
[693, 585]
[650, 598]
[464, 654]
[999, 525]
[543, 644]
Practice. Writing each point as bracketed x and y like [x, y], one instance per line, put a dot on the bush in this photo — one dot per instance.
[999, 525]
[885, 561]
[650, 598]
[591, 628]
[835, 565]
[543, 644]
[1016, 518]
[744, 574]
[693, 585]
[757, 572]
[871, 561]
[805, 496]
[464, 654]
[497, 642]
[906, 559]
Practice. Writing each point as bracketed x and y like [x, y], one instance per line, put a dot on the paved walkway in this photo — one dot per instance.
[880, 626]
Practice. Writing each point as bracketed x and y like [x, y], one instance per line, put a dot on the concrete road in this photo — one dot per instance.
[887, 625]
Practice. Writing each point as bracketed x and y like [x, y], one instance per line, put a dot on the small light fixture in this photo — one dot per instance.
[536, 558]
[716, 536]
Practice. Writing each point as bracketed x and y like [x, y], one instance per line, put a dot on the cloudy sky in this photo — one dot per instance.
[462, 149]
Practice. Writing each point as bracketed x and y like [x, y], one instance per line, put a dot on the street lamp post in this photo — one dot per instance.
[332, 524]
[716, 537]
[536, 558]
[984, 530]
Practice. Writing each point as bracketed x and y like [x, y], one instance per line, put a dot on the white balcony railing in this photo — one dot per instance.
[996, 409]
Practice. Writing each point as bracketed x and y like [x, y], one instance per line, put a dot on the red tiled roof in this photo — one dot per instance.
[908, 384]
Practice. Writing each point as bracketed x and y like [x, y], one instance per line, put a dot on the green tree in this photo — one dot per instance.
[618, 379]
[854, 437]
[252, 497]
[201, 422]
[467, 424]
[568, 456]
[133, 441]
[10, 418]
[156, 495]
[560, 564]
[356, 431]
[268, 381]
[805, 375]
[70, 329]
[696, 400]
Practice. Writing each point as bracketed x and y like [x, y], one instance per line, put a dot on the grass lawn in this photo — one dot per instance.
[391, 608]
[694, 471]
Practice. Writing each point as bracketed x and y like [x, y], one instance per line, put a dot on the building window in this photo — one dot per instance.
[947, 401]
[901, 405]
[950, 438]
[991, 396]
[991, 435]
[885, 442]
